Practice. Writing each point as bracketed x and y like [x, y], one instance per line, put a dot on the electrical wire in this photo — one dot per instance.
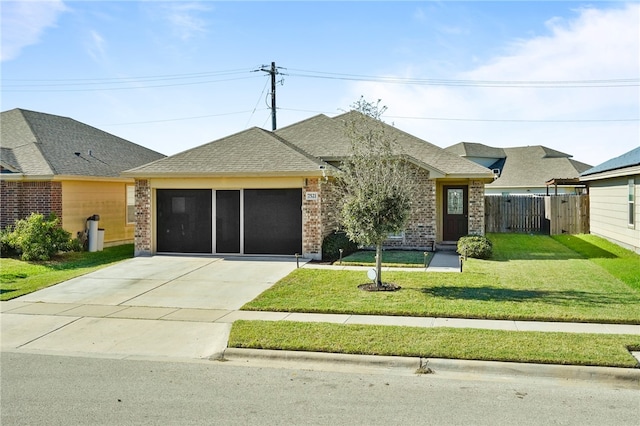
[542, 84]
[180, 119]
[613, 120]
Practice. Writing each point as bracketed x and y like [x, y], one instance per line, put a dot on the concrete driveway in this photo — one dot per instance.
[160, 306]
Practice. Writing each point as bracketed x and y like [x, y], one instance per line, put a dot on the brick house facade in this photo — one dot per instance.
[21, 198]
[53, 164]
[300, 160]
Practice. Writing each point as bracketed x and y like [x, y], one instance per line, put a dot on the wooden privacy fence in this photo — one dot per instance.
[557, 214]
[567, 214]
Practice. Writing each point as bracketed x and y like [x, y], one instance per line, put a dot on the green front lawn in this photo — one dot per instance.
[485, 345]
[529, 278]
[18, 277]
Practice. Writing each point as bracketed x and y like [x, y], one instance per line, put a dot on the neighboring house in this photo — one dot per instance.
[53, 164]
[614, 189]
[261, 192]
[525, 170]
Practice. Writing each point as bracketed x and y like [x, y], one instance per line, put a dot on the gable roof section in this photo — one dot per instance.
[325, 138]
[45, 145]
[533, 166]
[250, 152]
[474, 149]
[627, 163]
[319, 136]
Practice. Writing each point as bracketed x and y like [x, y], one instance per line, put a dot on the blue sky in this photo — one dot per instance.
[173, 75]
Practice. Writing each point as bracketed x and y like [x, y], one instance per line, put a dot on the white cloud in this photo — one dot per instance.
[24, 22]
[598, 44]
[184, 19]
[96, 46]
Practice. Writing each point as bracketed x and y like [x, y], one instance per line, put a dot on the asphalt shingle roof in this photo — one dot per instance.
[300, 148]
[325, 138]
[527, 166]
[535, 165]
[628, 159]
[474, 149]
[39, 144]
[251, 152]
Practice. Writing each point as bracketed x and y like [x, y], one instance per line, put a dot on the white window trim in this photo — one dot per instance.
[127, 205]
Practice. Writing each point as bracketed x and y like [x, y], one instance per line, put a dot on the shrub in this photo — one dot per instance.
[7, 248]
[475, 246]
[39, 238]
[335, 241]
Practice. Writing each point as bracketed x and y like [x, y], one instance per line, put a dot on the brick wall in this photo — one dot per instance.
[420, 232]
[143, 232]
[319, 217]
[20, 199]
[476, 207]
[311, 220]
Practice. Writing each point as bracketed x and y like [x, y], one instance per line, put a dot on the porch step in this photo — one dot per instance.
[447, 246]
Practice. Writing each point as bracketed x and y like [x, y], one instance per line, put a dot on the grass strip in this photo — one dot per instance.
[619, 262]
[18, 277]
[451, 343]
[390, 258]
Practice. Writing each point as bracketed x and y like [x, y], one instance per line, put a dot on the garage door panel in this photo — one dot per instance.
[184, 220]
[228, 221]
[272, 221]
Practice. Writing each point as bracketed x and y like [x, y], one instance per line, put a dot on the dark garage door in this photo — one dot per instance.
[272, 221]
[184, 220]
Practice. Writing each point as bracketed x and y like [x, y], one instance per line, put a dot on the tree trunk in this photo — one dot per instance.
[379, 265]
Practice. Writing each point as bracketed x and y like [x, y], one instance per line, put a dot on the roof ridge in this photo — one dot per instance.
[299, 150]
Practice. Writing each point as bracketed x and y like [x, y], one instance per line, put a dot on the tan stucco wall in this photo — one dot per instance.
[81, 199]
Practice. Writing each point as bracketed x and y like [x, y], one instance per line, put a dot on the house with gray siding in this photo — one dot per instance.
[614, 188]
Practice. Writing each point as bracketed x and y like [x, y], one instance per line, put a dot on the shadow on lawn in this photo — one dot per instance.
[585, 248]
[569, 297]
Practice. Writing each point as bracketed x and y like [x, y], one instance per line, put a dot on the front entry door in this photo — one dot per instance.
[456, 213]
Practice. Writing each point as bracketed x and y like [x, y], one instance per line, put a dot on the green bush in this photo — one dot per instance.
[475, 246]
[335, 241]
[7, 248]
[38, 238]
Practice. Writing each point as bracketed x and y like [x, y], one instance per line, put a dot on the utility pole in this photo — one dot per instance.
[273, 71]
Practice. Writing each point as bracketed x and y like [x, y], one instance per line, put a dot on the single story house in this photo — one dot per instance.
[614, 188]
[526, 170]
[53, 164]
[262, 192]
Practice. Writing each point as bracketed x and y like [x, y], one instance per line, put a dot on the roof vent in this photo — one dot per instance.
[77, 154]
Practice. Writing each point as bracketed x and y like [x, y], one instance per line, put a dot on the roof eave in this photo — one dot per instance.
[625, 171]
[200, 175]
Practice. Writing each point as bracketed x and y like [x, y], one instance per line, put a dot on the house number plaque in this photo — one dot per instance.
[312, 196]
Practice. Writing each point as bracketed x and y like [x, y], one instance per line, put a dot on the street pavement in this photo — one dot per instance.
[182, 307]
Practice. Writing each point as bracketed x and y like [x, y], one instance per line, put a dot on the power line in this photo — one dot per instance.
[72, 81]
[166, 120]
[484, 119]
[98, 89]
[542, 84]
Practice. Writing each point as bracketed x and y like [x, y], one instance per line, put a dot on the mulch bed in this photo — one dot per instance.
[383, 287]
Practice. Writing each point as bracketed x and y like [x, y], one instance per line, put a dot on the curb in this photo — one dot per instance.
[620, 377]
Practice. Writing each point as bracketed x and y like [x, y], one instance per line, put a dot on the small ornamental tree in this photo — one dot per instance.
[375, 181]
